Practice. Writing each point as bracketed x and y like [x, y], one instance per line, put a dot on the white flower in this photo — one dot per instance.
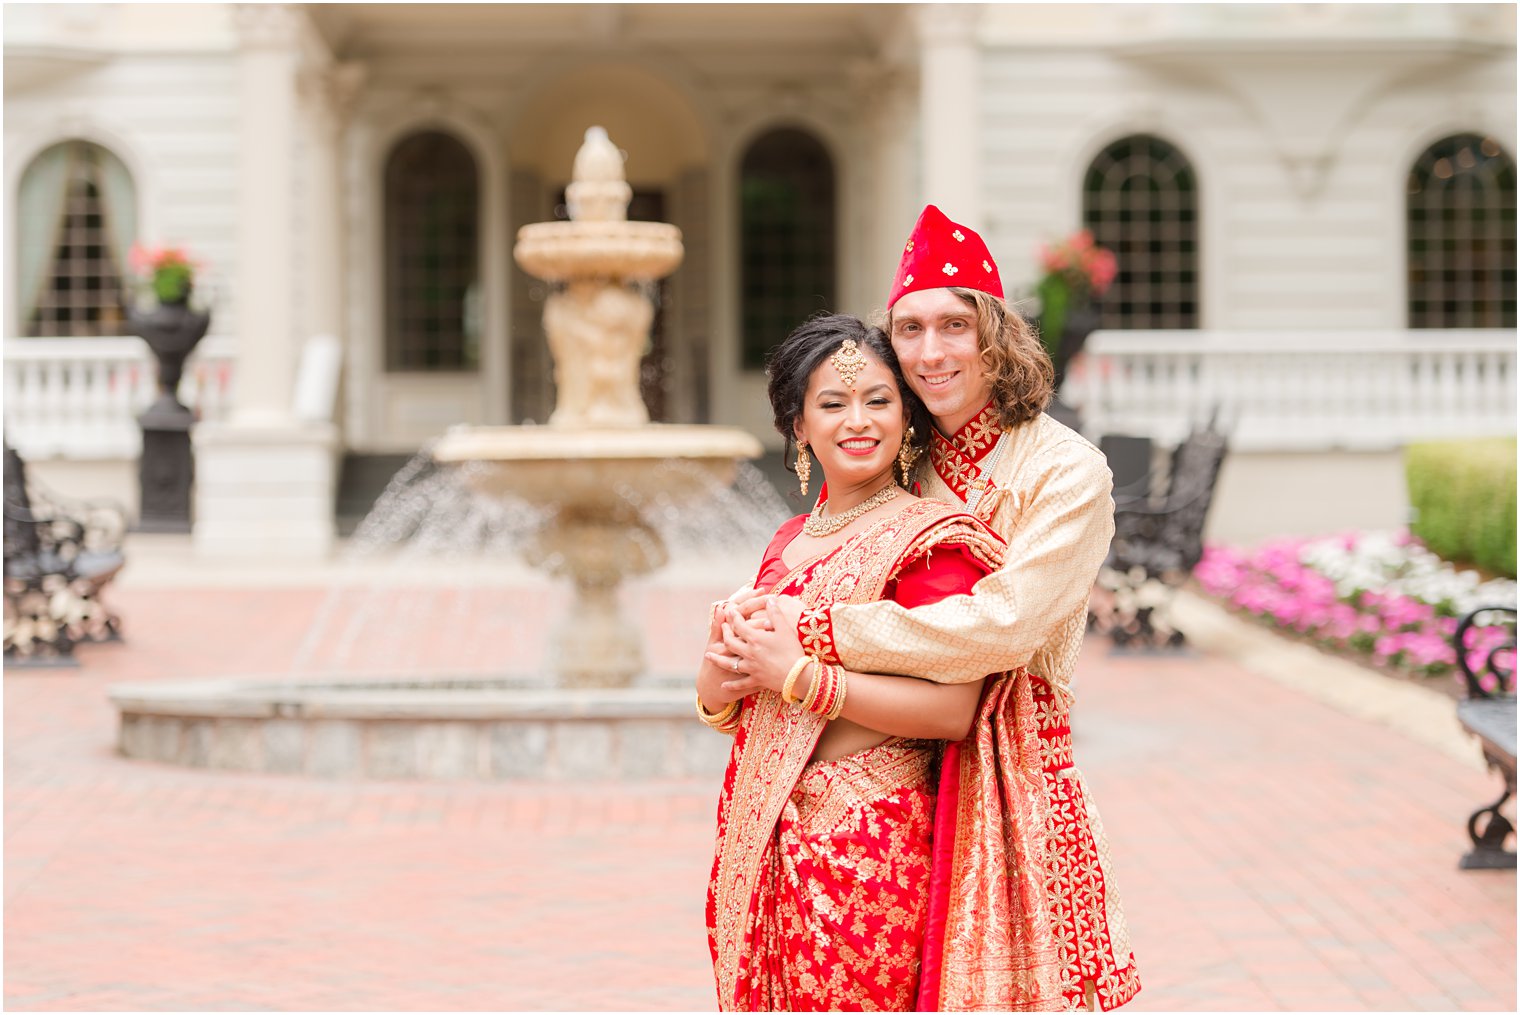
[909, 247]
[949, 269]
[1374, 561]
[958, 235]
[908, 280]
[986, 266]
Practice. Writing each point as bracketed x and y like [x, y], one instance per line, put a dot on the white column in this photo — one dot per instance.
[265, 482]
[889, 97]
[949, 99]
[326, 95]
[267, 61]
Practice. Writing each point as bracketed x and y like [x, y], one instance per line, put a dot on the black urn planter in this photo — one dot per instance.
[167, 468]
[172, 331]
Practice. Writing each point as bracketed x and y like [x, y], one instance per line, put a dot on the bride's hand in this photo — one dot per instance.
[758, 653]
[747, 602]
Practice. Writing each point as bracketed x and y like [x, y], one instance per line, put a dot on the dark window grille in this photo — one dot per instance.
[1140, 200]
[82, 295]
[1461, 218]
[432, 244]
[787, 270]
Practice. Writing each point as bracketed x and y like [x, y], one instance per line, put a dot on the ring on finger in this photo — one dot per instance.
[736, 666]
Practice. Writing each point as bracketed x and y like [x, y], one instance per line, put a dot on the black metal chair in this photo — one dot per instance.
[1158, 539]
[1129, 459]
[59, 556]
[1489, 715]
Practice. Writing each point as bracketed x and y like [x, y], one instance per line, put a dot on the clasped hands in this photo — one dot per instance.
[753, 641]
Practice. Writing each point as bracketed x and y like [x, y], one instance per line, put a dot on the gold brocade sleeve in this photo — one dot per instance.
[1056, 513]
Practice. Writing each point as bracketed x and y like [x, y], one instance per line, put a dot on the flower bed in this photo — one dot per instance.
[1381, 597]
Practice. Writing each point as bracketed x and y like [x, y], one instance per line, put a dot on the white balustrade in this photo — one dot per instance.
[1299, 391]
[80, 397]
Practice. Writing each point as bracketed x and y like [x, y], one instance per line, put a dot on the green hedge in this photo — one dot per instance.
[1463, 493]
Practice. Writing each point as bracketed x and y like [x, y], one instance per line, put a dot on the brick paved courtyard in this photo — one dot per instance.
[1273, 853]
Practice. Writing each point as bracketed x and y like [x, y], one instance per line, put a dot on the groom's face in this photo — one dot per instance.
[934, 334]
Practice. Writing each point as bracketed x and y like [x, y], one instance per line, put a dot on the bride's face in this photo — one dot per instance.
[854, 433]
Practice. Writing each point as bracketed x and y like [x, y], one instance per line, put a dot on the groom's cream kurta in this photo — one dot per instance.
[1050, 498]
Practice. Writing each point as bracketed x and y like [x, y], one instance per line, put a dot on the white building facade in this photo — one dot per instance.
[359, 172]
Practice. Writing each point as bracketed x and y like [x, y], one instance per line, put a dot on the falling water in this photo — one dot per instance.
[436, 586]
[430, 510]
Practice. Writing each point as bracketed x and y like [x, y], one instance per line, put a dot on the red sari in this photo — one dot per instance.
[834, 881]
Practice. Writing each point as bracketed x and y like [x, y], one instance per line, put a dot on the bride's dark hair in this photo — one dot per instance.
[791, 365]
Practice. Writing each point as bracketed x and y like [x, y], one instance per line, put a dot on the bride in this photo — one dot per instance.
[870, 854]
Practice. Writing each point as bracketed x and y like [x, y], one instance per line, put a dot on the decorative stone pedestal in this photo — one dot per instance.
[166, 469]
[265, 492]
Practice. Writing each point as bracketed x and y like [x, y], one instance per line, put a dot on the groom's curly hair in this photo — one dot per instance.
[791, 365]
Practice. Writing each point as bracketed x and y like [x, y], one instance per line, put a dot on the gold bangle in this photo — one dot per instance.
[811, 699]
[839, 694]
[790, 685]
[724, 720]
[826, 684]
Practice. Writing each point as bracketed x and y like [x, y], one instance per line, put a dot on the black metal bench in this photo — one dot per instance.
[1489, 715]
[1158, 539]
[59, 556]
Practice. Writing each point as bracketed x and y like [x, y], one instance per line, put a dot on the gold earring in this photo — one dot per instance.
[804, 466]
[906, 456]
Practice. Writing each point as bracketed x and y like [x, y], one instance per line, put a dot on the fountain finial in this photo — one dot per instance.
[599, 191]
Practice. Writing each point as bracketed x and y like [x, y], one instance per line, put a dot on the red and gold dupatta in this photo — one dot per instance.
[990, 944]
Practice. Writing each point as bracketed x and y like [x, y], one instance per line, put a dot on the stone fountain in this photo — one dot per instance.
[588, 472]
[599, 456]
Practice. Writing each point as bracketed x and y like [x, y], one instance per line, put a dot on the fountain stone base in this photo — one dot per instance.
[483, 729]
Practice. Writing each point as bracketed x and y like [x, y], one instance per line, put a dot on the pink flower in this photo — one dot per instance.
[141, 259]
[1080, 263]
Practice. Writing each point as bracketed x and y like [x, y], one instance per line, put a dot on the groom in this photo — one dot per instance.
[986, 379]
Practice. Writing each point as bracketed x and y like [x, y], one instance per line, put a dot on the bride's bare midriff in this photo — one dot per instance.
[842, 737]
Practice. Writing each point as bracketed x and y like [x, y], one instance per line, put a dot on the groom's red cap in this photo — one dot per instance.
[940, 253]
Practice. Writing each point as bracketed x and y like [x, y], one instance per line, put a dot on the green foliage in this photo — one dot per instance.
[1055, 297]
[1463, 493]
[167, 271]
[171, 282]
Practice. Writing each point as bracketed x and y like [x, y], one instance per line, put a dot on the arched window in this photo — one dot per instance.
[76, 220]
[1140, 199]
[432, 244]
[786, 228]
[1461, 214]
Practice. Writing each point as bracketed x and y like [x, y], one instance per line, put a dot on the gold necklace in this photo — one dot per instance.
[817, 525]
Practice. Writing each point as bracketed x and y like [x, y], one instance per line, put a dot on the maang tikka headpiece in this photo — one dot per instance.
[848, 361]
